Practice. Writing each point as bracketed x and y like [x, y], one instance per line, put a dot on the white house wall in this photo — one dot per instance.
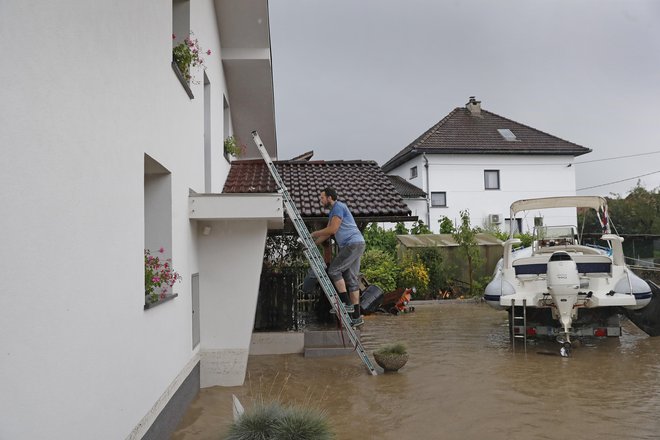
[90, 91]
[462, 178]
[228, 298]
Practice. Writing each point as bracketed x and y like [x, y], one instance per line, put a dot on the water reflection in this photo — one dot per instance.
[462, 382]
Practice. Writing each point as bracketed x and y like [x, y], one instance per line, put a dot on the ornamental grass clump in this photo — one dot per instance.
[397, 348]
[391, 357]
[277, 422]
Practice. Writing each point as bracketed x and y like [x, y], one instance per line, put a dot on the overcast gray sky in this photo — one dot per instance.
[361, 79]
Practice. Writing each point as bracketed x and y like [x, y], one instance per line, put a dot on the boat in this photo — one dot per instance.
[559, 287]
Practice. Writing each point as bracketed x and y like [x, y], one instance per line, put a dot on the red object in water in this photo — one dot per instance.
[600, 332]
[397, 301]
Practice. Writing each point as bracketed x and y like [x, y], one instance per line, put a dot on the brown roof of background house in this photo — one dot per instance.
[462, 132]
[362, 185]
[405, 188]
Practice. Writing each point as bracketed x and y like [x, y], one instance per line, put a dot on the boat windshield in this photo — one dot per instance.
[555, 235]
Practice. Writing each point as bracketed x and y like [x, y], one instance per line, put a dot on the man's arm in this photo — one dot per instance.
[321, 239]
[331, 229]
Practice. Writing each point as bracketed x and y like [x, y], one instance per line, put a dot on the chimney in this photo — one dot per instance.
[474, 106]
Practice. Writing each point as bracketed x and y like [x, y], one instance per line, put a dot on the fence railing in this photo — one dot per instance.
[283, 306]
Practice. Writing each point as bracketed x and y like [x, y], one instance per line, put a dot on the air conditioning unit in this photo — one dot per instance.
[494, 219]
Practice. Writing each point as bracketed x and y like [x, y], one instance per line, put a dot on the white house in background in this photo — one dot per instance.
[478, 161]
[106, 152]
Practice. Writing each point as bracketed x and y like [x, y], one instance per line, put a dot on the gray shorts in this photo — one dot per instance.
[346, 265]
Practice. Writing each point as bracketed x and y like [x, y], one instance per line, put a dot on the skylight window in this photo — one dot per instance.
[507, 134]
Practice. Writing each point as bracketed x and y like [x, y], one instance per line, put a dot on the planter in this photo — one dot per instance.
[390, 361]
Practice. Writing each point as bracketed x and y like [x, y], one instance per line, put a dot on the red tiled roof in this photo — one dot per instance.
[362, 185]
[462, 133]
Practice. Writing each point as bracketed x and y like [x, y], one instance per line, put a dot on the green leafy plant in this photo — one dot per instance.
[414, 274]
[284, 251]
[232, 147]
[187, 54]
[446, 225]
[419, 228]
[400, 229]
[377, 237]
[158, 276]
[379, 268]
[526, 239]
[439, 269]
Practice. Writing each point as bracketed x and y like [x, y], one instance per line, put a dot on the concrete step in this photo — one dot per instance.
[327, 343]
[327, 338]
[315, 352]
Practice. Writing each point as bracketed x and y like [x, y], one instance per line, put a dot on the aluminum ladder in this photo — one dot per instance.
[314, 256]
[514, 320]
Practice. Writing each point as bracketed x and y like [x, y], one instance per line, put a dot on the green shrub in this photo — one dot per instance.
[446, 225]
[377, 237]
[379, 268]
[414, 274]
[525, 239]
[419, 228]
[438, 269]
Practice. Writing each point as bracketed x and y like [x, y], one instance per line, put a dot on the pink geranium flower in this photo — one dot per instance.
[157, 276]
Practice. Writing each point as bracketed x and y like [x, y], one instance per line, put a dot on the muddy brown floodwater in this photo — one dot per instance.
[462, 382]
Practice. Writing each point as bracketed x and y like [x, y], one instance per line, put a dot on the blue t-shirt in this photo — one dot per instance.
[348, 232]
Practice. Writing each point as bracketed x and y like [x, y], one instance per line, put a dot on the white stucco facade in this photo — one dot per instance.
[461, 178]
[101, 148]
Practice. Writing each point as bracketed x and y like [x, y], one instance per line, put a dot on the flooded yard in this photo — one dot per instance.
[462, 382]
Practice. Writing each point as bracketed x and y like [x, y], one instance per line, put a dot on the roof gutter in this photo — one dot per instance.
[428, 192]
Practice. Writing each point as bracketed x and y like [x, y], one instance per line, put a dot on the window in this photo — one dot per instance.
[413, 172]
[157, 215]
[439, 199]
[180, 31]
[507, 134]
[226, 123]
[492, 179]
[516, 225]
[180, 20]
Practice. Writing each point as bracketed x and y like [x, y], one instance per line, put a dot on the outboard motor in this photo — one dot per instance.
[563, 284]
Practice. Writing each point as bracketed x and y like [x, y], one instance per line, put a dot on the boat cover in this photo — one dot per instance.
[594, 202]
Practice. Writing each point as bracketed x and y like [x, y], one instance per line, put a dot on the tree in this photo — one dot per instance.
[637, 213]
[466, 237]
[377, 237]
[283, 250]
[400, 229]
[419, 228]
[446, 225]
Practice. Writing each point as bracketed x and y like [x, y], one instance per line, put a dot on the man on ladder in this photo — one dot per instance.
[345, 267]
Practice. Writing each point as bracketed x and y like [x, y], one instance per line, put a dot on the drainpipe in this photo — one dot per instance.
[428, 192]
